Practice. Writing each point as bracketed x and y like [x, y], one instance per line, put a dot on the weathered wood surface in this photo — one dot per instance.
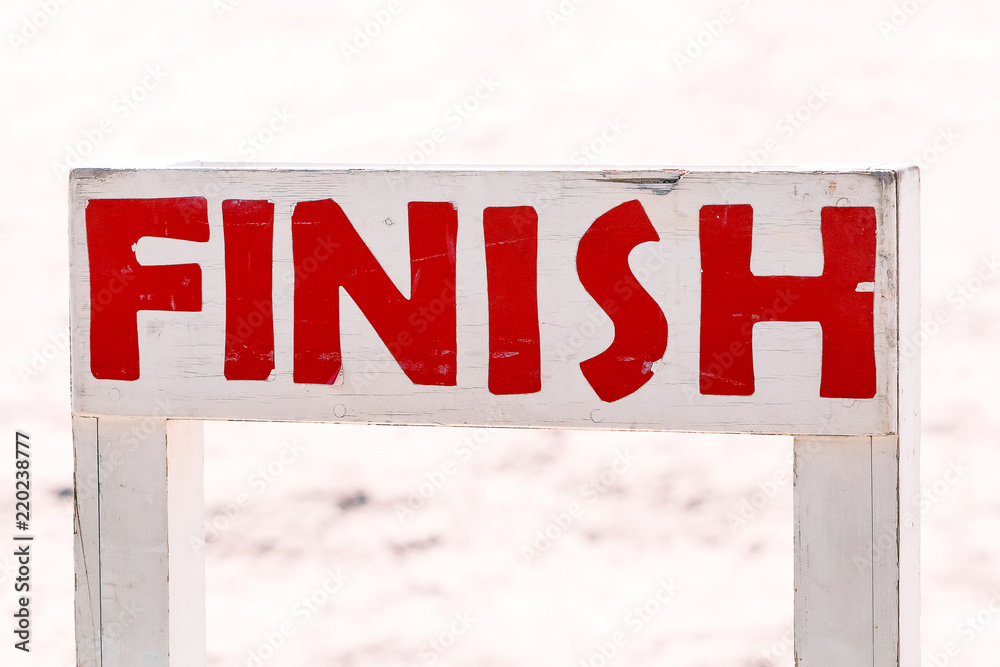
[140, 575]
[86, 542]
[857, 512]
[140, 572]
[183, 353]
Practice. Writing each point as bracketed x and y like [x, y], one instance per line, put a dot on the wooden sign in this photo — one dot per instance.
[661, 299]
[664, 300]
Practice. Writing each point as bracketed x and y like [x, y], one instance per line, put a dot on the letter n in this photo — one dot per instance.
[329, 254]
[733, 300]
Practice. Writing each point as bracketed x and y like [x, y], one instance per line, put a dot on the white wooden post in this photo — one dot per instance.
[857, 515]
[140, 585]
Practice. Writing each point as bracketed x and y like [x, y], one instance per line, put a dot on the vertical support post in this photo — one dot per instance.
[86, 543]
[856, 552]
[833, 551]
[908, 439]
[857, 515]
[140, 588]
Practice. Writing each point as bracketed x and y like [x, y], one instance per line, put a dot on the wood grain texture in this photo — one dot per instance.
[139, 498]
[86, 542]
[908, 419]
[833, 547]
[887, 475]
[140, 578]
[857, 514]
[182, 354]
[185, 534]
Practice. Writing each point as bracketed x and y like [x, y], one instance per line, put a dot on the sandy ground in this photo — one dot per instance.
[94, 82]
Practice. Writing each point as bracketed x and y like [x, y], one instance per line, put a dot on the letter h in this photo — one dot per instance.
[733, 300]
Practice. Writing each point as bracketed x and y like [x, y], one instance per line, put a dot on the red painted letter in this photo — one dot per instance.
[640, 327]
[248, 226]
[120, 287]
[733, 300]
[419, 331]
[512, 283]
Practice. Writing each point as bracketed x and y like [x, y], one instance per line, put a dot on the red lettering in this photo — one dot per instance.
[512, 283]
[328, 254]
[733, 300]
[640, 327]
[120, 287]
[248, 227]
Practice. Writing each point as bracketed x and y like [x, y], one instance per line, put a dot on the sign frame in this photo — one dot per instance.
[138, 444]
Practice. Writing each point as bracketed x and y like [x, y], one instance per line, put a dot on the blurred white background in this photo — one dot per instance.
[602, 82]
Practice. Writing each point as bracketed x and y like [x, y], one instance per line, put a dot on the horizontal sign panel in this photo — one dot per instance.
[728, 301]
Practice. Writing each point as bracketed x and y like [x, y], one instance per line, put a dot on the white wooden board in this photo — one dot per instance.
[182, 354]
